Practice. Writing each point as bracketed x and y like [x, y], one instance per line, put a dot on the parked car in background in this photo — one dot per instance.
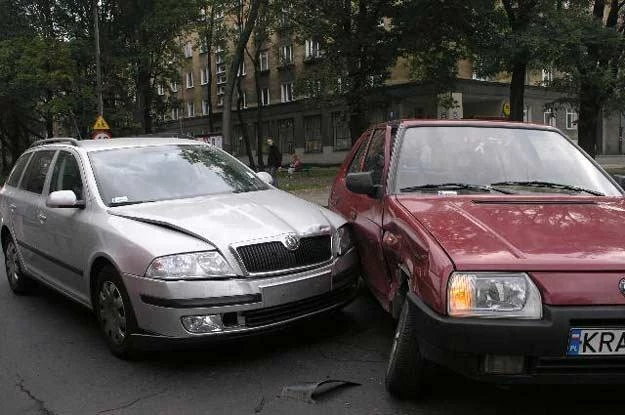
[170, 240]
[499, 246]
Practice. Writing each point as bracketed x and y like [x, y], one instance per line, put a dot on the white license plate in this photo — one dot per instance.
[589, 342]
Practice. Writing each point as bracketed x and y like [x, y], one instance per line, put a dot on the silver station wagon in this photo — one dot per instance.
[169, 239]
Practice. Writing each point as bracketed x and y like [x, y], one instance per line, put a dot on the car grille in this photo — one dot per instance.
[270, 315]
[273, 256]
[578, 365]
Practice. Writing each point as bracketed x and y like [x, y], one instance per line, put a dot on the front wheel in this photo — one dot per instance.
[114, 313]
[20, 284]
[406, 373]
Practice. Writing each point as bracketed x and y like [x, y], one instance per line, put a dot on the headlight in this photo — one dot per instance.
[493, 295]
[342, 240]
[190, 266]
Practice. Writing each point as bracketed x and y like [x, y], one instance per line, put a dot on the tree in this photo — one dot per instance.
[250, 11]
[357, 51]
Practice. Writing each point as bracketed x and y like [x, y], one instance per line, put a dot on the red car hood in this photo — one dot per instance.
[525, 233]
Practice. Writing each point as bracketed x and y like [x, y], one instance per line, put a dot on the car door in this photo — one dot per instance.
[64, 231]
[29, 217]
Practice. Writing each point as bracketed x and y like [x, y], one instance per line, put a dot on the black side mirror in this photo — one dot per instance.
[362, 183]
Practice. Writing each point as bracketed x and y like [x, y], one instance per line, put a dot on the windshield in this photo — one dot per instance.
[146, 174]
[514, 160]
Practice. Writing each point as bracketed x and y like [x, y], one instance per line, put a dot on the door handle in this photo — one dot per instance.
[12, 207]
[42, 218]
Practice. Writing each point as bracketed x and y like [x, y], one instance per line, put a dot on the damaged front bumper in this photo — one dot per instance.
[239, 306]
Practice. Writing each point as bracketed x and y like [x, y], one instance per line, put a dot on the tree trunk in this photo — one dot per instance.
[144, 101]
[517, 91]
[244, 132]
[589, 118]
[234, 70]
[358, 122]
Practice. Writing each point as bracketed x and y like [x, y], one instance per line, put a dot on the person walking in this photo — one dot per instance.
[274, 160]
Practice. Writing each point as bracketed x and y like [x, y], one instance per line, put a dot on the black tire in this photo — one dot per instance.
[20, 283]
[114, 312]
[407, 370]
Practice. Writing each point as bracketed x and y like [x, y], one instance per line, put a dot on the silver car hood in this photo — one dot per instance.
[234, 219]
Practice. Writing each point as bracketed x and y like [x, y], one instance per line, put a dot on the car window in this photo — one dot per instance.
[18, 169]
[374, 161]
[35, 175]
[355, 165]
[144, 174]
[66, 175]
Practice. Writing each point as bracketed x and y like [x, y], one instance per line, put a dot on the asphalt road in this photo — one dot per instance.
[52, 361]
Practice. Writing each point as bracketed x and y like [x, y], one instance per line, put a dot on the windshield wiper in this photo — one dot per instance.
[538, 183]
[455, 186]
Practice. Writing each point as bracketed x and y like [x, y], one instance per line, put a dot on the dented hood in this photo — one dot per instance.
[227, 219]
[525, 233]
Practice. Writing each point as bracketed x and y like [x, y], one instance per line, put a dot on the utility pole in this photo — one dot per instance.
[96, 18]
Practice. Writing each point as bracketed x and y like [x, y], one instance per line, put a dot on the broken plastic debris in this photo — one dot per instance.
[308, 391]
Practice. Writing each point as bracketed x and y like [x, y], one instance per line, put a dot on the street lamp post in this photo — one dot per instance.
[97, 57]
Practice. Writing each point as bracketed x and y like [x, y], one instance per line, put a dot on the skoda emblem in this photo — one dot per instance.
[621, 286]
[291, 242]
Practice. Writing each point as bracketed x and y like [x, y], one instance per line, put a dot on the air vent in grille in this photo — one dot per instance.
[273, 256]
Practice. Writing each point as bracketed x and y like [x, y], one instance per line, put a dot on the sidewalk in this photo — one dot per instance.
[318, 196]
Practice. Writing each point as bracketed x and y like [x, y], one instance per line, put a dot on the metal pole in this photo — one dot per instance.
[96, 18]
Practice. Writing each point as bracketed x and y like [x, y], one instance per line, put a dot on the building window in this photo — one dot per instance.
[174, 86]
[219, 59]
[241, 71]
[312, 133]
[571, 120]
[190, 109]
[204, 76]
[220, 95]
[221, 68]
[221, 79]
[286, 92]
[203, 47]
[340, 131]
[188, 50]
[243, 98]
[313, 50]
[547, 76]
[175, 113]
[205, 106]
[527, 114]
[265, 98]
[189, 79]
[286, 54]
[160, 90]
[264, 61]
[219, 49]
[549, 118]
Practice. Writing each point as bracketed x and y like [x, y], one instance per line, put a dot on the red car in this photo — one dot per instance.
[499, 246]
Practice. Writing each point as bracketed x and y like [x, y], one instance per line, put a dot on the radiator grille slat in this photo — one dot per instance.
[274, 256]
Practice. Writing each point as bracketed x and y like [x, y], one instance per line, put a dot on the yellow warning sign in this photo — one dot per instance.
[506, 109]
[101, 124]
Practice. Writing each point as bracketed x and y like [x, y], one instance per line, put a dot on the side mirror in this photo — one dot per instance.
[362, 183]
[265, 177]
[64, 199]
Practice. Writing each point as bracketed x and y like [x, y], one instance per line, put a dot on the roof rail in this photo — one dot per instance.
[66, 140]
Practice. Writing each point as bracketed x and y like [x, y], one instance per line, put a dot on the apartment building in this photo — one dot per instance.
[320, 133]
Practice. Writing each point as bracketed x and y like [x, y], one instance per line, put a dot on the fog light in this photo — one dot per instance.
[504, 365]
[210, 323]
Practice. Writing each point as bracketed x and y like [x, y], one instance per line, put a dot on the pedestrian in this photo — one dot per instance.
[274, 161]
[296, 164]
